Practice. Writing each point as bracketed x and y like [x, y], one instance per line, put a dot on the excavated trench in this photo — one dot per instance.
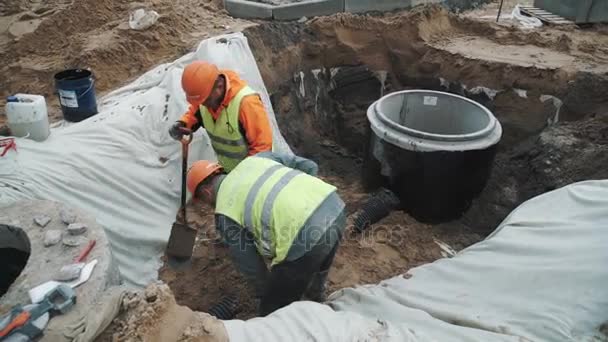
[323, 75]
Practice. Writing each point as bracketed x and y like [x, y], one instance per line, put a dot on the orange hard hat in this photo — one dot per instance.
[199, 171]
[198, 80]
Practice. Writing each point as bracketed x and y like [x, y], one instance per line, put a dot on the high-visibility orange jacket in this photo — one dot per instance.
[253, 119]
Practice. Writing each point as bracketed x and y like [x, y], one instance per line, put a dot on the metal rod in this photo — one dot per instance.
[499, 10]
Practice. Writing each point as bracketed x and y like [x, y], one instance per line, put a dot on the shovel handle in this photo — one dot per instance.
[186, 140]
[186, 135]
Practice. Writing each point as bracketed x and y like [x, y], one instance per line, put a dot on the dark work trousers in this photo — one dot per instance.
[289, 280]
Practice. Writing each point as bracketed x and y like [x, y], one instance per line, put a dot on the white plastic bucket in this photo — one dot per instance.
[28, 117]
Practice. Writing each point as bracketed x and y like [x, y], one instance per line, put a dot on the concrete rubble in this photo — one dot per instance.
[42, 220]
[76, 228]
[67, 216]
[69, 272]
[52, 237]
[73, 241]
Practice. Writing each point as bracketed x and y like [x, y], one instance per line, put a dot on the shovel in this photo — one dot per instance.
[181, 241]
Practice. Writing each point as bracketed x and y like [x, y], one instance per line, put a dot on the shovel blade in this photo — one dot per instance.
[180, 245]
[178, 264]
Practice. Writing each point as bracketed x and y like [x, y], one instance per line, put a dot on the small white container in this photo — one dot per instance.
[28, 117]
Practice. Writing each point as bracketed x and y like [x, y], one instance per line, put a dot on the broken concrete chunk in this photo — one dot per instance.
[73, 241]
[151, 294]
[69, 272]
[42, 220]
[67, 216]
[77, 228]
[52, 237]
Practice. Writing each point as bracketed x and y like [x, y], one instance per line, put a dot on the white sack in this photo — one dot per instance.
[111, 164]
[525, 21]
[541, 276]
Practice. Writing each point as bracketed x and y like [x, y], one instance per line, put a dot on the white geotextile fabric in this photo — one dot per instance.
[541, 276]
[112, 164]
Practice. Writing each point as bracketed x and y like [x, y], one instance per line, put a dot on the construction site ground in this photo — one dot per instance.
[426, 47]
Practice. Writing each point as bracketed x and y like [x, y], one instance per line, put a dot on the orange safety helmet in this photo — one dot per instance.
[198, 80]
[199, 171]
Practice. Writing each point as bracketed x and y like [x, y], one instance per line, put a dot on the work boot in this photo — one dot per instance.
[316, 289]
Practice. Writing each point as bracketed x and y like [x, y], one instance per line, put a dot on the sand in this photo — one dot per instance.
[39, 39]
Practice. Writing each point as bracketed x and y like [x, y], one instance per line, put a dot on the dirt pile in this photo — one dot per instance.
[331, 66]
[152, 315]
[562, 154]
[39, 39]
[211, 275]
[390, 247]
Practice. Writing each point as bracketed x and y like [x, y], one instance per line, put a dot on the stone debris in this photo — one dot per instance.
[69, 272]
[52, 237]
[151, 294]
[67, 216]
[152, 312]
[77, 228]
[42, 220]
[74, 241]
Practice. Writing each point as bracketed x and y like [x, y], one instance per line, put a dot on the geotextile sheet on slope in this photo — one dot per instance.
[541, 276]
[121, 165]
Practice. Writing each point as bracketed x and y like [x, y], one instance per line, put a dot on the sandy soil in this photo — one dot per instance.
[390, 247]
[562, 154]
[153, 316]
[41, 38]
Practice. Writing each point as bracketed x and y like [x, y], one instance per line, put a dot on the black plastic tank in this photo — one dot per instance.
[435, 150]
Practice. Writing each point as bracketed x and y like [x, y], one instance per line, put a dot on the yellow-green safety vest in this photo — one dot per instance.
[271, 201]
[226, 138]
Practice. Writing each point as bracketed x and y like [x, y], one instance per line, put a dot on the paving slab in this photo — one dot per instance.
[44, 262]
[248, 9]
[307, 9]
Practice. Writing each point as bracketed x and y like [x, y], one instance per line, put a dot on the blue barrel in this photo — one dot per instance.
[76, 91]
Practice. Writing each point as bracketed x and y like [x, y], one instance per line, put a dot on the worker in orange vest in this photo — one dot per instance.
[228, 109]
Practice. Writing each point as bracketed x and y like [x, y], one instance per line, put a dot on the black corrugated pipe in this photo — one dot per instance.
[225, 309]
[377, 207]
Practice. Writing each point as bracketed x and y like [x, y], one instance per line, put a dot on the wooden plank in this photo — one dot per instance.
[545, 16]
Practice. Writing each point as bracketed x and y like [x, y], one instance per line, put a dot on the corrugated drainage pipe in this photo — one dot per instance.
[377, 207]
[225, 309]
[435, 150]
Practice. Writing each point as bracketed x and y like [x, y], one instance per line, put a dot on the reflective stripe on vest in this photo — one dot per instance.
[272, 201]
[226, 138]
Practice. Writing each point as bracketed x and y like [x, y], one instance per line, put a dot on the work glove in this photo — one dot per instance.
[178, 130]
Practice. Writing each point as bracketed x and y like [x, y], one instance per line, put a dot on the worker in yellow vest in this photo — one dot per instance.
[272, 207]
[228, 109]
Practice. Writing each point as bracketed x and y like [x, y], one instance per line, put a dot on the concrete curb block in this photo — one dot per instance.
[248, 9]
[307, 9]
[361, 6]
